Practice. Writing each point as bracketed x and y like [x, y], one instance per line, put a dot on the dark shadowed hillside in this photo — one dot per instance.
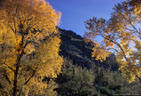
[76, 80]
[76, 49]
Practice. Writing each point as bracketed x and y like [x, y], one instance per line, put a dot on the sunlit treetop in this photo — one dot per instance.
[136, 6]
[34, 19]
[120, 35]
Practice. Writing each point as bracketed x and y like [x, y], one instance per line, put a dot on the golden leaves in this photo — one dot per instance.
[48, 63]
[108, 43]
[48, 54]
[121, 34]
[100, 53]
[24, 25]
[136, 6]
[29, 49]
[32, 15]
[130, 72]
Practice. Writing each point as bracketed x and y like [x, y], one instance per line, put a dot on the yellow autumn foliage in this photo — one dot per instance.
[51, 62]
[120, 35]
[100, 53]
[26, 58]
[48, 55]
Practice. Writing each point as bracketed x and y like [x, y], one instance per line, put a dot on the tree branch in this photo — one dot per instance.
[34, 71]
[119, 47]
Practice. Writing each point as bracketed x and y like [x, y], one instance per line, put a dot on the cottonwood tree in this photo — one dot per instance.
[24, 58]
[120, 35]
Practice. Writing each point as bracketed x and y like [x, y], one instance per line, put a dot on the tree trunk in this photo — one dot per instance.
[16, 74]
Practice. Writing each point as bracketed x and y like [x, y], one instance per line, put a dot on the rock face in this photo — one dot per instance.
[76, 49]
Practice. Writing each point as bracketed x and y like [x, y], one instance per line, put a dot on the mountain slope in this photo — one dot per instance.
[76, 49]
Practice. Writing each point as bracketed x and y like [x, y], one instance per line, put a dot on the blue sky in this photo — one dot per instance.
[75, 12]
